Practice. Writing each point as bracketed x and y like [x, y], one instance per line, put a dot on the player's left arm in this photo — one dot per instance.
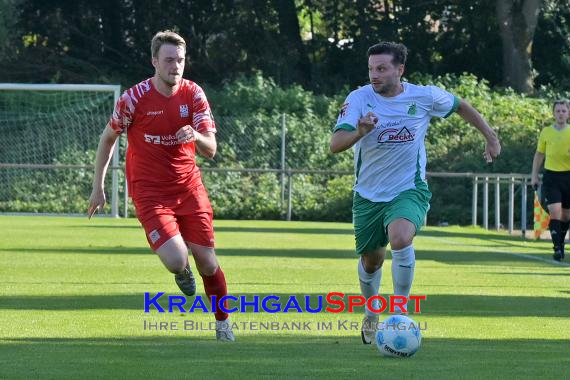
[473, 117]
[203, 129]
[206, 144]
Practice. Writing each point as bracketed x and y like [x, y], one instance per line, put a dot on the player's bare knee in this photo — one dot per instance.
[371, 268]
[176, 264]
[208, 269]
[400, 241]
[372, 263]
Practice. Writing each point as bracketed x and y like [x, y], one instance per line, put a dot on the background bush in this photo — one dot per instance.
[248, 114]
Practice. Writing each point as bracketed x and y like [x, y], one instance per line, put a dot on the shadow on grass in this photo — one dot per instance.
[105, 226]
[267, 355]
[470, 235]
[84, 250]
[286, 230]
[272, 230]
[445, 257]
[533, 273]
[490, 241]
[248, 252]
[437, 304]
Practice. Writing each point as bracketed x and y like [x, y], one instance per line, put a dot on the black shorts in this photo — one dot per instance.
[556, 188]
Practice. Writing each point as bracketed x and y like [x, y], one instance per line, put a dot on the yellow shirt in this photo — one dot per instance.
[555, 145]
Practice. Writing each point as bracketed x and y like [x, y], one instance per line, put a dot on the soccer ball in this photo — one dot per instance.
[398, 336]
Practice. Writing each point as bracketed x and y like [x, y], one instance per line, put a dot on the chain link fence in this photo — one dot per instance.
[266, 167]
[50, 136]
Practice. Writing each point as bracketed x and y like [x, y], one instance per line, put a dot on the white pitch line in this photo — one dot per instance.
[490, 250]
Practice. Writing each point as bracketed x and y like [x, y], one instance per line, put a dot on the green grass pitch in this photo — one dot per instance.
[71, 305]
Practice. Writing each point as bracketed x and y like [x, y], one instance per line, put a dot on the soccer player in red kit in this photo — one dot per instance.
[167, 120]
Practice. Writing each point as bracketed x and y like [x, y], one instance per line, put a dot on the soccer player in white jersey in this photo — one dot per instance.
[386, 123]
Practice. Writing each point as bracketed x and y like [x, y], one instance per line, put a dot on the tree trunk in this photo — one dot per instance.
[517, 22]
[293, 48]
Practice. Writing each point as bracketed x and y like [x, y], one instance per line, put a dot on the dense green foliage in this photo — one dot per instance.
[452, 144]
[250, 138]
[317, 44]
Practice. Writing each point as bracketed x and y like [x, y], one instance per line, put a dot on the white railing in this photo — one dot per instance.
[498, 180]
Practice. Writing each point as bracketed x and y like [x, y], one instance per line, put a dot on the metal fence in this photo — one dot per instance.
[40, 173]
[512, 186]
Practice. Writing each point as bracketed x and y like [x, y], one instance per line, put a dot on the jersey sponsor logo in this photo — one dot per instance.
[154, 113]
[167, 140]
[393, 124]
[343, 110]
[395, 136]
[151, 139]
[412, 109]
[184, 110]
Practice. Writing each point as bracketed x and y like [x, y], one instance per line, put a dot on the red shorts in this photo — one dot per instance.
[189, 215]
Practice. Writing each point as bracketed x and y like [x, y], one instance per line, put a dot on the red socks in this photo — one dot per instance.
[215, 285]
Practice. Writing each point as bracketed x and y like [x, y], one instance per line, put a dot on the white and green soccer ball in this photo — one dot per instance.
[398, 336]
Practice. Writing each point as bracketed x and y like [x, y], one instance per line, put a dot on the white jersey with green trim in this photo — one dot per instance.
[392, 157]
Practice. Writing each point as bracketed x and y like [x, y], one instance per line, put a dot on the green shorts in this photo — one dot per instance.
[371, 219]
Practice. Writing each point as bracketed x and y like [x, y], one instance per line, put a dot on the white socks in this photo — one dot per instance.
[403, 263]
[369, 286]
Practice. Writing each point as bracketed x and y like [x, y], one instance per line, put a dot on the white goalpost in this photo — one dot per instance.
[48, 139]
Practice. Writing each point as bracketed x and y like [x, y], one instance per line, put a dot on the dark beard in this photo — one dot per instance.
[386, 89]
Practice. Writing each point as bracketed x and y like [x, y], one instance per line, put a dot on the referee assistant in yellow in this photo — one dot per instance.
[554, 145]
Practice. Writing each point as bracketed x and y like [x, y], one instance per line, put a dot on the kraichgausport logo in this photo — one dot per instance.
[340, 325]
[335, 303]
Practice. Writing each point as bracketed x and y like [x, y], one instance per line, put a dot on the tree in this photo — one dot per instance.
[290, 36]
[517, 23]
[319, 44]
[551, 52]
[8, 20]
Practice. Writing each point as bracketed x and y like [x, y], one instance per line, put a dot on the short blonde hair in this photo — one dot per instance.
[165, 37]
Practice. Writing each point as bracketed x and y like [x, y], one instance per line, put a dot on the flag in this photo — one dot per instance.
[541, 217]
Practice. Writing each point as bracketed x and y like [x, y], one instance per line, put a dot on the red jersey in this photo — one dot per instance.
[157, 164]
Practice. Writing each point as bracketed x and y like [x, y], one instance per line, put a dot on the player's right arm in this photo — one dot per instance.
[119, 122]
[536, 165]
[104, 152]
[343, 139]
[538, 159]
[351, 126]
